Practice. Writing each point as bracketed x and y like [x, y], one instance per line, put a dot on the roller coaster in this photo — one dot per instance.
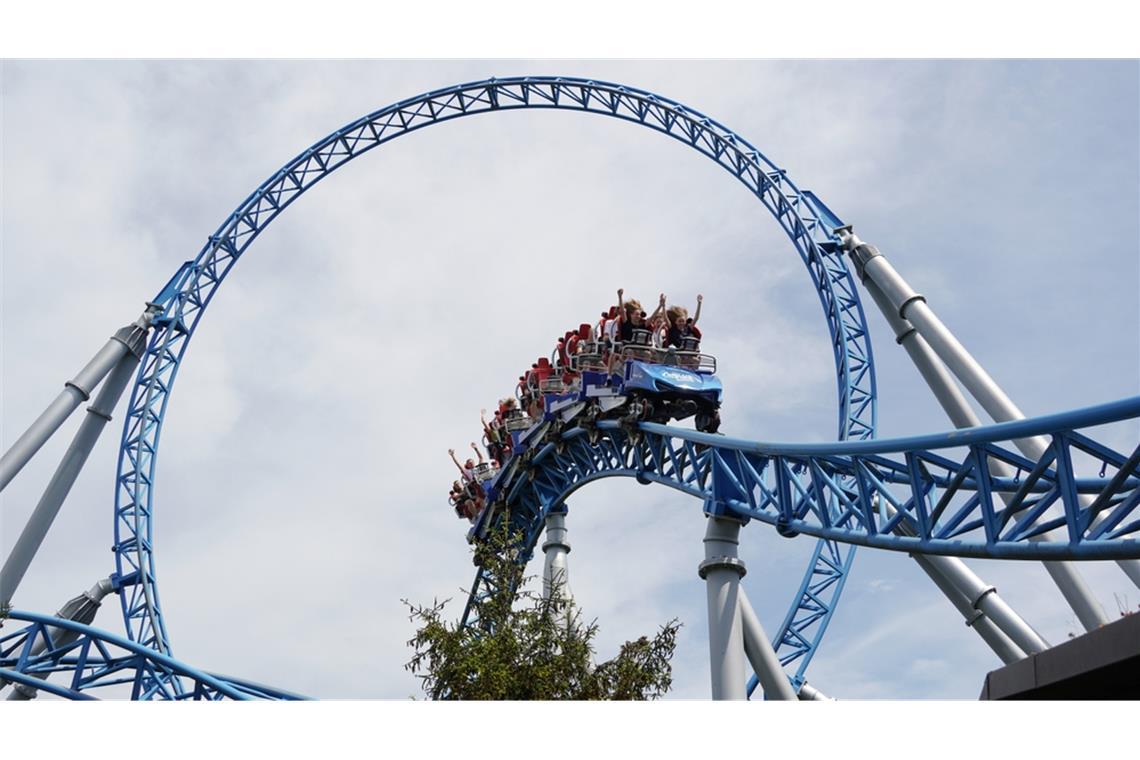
[1040, 489]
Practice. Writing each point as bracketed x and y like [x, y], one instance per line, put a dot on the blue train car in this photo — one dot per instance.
[639, 383]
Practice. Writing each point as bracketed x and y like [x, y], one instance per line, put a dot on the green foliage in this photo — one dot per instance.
[527, 647]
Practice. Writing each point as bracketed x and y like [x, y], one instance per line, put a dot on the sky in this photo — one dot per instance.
[303, 470]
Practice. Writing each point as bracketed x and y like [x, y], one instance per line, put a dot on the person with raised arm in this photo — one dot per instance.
[630, 317]
[657, 322]
[493, 430]
[467, 470]
[681, 326]
[478, 453]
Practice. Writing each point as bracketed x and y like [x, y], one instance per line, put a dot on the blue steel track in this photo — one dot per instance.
[938, 501]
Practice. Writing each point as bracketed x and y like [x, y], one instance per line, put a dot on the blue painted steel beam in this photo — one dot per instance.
[91, 659]
[940, 486]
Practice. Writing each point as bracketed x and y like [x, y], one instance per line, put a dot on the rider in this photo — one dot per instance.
[680, 326]
[658, 324]
[493, 432]
[467, 469]
[630, 317]
[601, 330]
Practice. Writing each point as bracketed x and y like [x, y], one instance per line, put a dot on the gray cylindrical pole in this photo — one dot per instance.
[98, 415]
[721, 571]
[911, 306]
[809, 693]
[958, 583]
[1131, 568]
[985, 598]
[997, 641]
[762, 656]
[81, 609]
[980, 597]
[933, 371]
[73, 394]
[556, 572]
[556, 569]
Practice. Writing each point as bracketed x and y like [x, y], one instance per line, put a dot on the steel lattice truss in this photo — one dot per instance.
[186, 296]
[96, 661]
[932, 495]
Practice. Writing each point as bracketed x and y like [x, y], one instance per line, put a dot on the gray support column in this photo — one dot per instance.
[809, 693]
[933, 371]
[1130, 567]
[911, 306]
[986, 599]
[957, 581]
[722, 570]
[98, 415]
[997, 641]
[556, 572]
[980, 597]
[81, 609]
[73, 394]
[762, 656]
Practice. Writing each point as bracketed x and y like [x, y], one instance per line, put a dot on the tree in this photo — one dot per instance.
[528, 647]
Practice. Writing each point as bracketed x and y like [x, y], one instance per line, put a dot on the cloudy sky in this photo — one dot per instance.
[304, 469]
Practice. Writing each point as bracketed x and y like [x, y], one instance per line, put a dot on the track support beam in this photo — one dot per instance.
[81, 609]
[762, 657]
[965, 590]
[75, 391]
[722, 570]
[556, 571]
[809, 693]
[911, 307]
[98, 415]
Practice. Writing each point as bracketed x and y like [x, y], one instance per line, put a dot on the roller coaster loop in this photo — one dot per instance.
[185, 297]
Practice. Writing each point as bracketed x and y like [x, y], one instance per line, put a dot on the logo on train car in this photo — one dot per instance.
[675, 376]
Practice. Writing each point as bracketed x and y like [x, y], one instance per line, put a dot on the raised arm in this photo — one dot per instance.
[453, 459]
[659, 311]
[697, 314]
[621, 303]
[478, 453]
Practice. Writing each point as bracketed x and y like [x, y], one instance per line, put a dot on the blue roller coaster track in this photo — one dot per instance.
[100, 662]
[928, 495]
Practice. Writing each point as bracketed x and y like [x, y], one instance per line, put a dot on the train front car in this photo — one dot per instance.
[666, 384]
